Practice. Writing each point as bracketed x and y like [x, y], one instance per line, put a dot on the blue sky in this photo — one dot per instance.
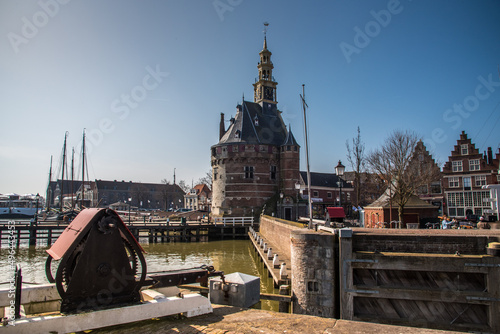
[149, 79]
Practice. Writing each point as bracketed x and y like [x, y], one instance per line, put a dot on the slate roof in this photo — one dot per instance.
[256, 124]
[324, 180]
[413, 203]
[290, 139]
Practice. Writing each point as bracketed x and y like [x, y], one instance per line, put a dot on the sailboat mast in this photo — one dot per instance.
[61, 196]
[304, 105]
[72, 176]
[49, 189]
[83, 170]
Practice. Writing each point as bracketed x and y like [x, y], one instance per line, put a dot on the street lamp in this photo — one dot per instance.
[37, 197]
[281, 205]
[129, 202]
[339, 170]
[297, 187]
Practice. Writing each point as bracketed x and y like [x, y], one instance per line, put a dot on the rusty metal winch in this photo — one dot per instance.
[102, 264]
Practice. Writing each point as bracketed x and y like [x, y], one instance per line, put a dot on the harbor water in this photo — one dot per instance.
[228, 256]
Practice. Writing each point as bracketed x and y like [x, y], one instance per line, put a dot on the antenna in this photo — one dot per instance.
[266, 24]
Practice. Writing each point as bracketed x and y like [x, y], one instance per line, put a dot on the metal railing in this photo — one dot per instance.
[233, 221]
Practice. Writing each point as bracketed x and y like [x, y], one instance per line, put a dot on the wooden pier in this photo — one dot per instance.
[273, 271]
[159, 231]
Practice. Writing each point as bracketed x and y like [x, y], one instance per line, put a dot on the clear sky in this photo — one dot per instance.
[149, 79]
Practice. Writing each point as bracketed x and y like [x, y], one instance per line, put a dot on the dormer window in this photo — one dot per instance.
[256, 121]
[237, 134]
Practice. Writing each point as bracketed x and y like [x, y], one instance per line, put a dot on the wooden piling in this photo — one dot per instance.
[284, 306]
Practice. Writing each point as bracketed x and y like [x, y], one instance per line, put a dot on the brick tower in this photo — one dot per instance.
[257, 157]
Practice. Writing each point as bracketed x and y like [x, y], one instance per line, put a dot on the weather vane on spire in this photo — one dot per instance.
[266, 24]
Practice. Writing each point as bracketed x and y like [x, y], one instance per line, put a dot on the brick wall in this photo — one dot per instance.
[277, 231]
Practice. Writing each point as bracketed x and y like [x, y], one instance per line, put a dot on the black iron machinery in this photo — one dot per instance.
[102, 265]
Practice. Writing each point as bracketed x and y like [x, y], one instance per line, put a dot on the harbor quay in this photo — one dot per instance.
[354, 280]
[234, 320]
[441, 279]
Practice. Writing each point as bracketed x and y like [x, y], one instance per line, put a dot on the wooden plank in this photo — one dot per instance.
[439, 262]
[421, 294]
[346, 282]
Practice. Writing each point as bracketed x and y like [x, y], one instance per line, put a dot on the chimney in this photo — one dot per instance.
[222, 129]
[490, 156]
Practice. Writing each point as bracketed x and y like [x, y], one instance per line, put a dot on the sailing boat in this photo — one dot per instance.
[70, 208]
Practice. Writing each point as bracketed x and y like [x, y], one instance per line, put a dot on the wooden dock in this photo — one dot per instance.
[47, 232]
[273, 272]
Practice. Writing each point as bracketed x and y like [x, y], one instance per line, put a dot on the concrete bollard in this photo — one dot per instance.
[276, 262]
[269, 253]
[283, 273]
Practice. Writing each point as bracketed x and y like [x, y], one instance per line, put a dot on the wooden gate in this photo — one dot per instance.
[444, 291]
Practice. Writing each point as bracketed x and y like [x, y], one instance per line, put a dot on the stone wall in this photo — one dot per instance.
[277, 231]
[314, 272]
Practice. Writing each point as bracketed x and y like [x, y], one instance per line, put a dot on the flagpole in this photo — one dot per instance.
[310, 225]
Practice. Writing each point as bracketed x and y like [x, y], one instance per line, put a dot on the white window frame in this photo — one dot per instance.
[480, 180]
[464, 147]
[474, 164]
[457, 166]
[453, 182]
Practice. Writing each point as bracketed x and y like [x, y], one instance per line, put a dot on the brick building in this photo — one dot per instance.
[384, 211]
[257, 157]
[464, 175]
[140, 195]
[431, 192]
[198, 198]
[325, 192]
[103, 193]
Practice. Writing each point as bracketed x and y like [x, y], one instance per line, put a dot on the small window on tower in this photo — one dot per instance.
[248, 172]
[273, 172]
[256, 121]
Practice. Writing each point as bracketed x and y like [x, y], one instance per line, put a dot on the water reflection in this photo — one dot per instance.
[229, 256]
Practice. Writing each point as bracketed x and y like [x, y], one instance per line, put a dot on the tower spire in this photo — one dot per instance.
[265, 86]
[266, 24]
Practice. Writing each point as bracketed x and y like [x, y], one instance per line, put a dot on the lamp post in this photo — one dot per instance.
[129, 202]
[209, 204]
[339, 170]
[37, 197]
[281, 205]
[297, 187]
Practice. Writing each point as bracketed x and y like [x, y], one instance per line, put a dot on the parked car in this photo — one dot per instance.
[473, 218]
[183, 210]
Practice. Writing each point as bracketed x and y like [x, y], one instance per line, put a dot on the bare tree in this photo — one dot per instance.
[207, 179]
[356, 158]
[185, 187]
[140, 193]
[397, 163]
[165, 192]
